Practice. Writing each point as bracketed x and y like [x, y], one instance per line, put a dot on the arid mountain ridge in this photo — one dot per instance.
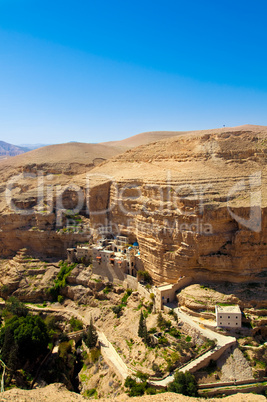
[7, 150]
[199, 181]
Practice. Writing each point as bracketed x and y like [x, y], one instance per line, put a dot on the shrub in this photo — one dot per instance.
[183, 383]
[107, 289]
[90, 392]
[175, 333]
[60, 299]
[125, 297]
[145, 276]
[60, 281]
[94, 354]
[163, 340]
[117, 310]
[76, 325]
[139, 388]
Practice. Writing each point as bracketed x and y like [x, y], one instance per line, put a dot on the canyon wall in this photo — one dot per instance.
[195, 204]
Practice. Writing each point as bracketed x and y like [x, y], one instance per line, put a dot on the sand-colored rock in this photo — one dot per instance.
[58, 393]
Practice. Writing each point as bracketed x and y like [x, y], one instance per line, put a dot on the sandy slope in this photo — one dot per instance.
[143, 138]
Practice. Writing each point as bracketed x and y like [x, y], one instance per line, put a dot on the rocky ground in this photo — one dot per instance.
[58, 393]
[234, 366]
[251, 297]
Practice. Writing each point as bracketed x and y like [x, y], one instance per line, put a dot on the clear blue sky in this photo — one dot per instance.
[99, 70]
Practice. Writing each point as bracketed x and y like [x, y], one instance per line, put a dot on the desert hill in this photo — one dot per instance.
[143, 138]
[208, 156]
[71, 157]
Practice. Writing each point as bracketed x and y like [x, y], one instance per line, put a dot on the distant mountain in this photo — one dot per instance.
[30, 147]
[7, 149]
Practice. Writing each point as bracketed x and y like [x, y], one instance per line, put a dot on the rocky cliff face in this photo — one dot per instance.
[196, 204]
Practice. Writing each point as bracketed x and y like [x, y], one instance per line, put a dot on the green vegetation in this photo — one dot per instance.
[60, 281]
[118, 309]
[125, 297]
[145, 276]
[13, 306]
[175, 333]
[183, 383]
[91, 335]
[23, 339]
[162, 323]
[90, 392]
[141, 387]
[76, 325]
[107, 289]
[142, 329]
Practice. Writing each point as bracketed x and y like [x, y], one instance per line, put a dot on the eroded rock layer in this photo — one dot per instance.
[196, 204]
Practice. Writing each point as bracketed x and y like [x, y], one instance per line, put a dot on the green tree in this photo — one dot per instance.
[141, 325]
[183, 383]
[162, 323]
[8, 343]
[142, 329]
[15, 307]
[91, 335]
[13, 362]
[29, 334]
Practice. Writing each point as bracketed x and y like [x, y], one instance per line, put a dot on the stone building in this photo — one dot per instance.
[167, 293]
[80, 254]
[116, 257]
[228, 316]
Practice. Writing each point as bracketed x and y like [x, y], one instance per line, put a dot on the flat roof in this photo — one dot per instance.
[228, 309]
[166, 287]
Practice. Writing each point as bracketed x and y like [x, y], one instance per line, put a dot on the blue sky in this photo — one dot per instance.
[95, 71]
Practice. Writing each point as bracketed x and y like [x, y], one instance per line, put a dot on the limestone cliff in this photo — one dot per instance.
[195, 203]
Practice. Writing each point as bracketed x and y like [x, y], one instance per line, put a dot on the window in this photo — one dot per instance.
[228, 316]
[220, 323]
[228, 323]
[236, 317]
[220, 316]
[236, 323]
